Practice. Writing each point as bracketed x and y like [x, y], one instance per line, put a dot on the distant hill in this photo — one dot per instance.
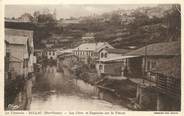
[124, 28]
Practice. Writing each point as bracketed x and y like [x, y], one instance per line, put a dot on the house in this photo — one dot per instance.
[88, 52]
[160, 58]
[67, 59]
[26, 17]
[88, 38]
[6, 58]
[156, 69]
[105, 66]
[51, 54]
[65, 22]
[160, 64]
[49, 45]
[19, 39]
[19, 61]
[38, 52]
[39, 55]
[17, 51]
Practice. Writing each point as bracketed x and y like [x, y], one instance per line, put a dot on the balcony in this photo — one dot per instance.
[165, 84]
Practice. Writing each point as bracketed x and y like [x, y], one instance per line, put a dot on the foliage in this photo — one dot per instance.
[138, 27]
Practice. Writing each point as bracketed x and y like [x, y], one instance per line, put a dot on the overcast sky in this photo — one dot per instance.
[66, 11]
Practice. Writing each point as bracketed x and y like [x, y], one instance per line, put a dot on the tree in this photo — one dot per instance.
[35, 16]
[172, 19]
[26, 16]
[115, 19]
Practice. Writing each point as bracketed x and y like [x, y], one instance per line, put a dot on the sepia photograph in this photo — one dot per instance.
[94, 57]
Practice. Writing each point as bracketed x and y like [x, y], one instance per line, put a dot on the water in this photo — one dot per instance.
[57, 91]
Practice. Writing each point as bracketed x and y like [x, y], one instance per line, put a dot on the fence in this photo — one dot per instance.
[165, 84]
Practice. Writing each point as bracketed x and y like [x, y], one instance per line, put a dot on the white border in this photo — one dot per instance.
[37, 2]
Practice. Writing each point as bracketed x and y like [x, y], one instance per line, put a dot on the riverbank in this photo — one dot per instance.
[18, 93]
[66, 93]
[124, 89]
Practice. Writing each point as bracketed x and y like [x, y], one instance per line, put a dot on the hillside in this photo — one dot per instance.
[124, 28]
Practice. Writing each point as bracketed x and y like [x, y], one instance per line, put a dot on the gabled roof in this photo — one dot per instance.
[20, 40]
[166, 48]
[117, 51]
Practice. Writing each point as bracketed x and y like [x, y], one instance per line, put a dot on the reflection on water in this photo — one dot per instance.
[71, 95]
[67, 102]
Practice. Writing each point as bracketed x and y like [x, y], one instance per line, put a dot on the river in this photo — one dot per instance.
[57, 91]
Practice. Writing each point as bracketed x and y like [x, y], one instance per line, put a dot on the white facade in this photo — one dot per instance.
[108, 62]
[89, 51]
[52, 54]
[104, 54]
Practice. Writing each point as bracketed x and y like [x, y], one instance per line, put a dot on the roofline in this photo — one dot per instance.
[20, 25]
[16, 44]
[147, 47]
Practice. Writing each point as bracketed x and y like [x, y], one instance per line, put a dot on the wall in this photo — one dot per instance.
[103, 52]
[135, 67]
[52, 54]
[19, 32]
[85, 56]
[109, 69]
[17, 51]
[113, 69]
[165, 103]
[16, 68]
[146, 97]
[170, 66]
[109, 55]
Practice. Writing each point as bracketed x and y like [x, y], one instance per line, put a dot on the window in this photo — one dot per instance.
[7, 54]
[148, 66]
[105, 55]
[53, 53]
[101, 55]
[49, 53]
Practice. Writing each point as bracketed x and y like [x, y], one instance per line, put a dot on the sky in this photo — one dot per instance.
[66, 10]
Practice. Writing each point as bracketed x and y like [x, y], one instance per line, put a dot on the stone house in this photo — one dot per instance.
[88, 52]
[106, 65]
[18, 54]
[19, 39]
[160, 64]
[159, 58]
[19, 62]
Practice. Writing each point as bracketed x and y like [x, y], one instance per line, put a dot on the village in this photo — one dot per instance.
[147, 78]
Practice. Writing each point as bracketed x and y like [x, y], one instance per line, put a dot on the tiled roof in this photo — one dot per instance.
[92, 46]
[16, 39]
[166, 48]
